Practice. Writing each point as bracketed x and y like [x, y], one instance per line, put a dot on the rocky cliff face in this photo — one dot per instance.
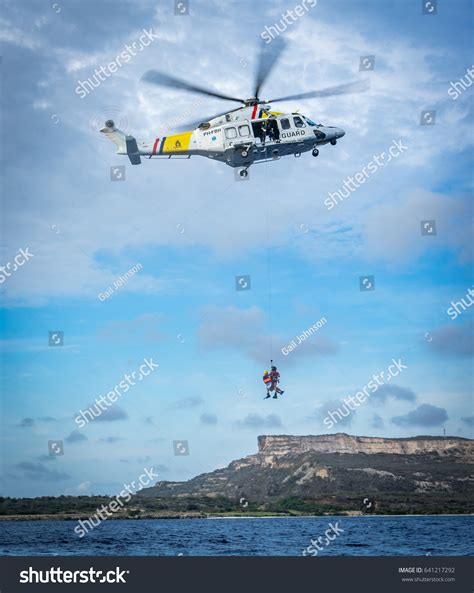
[280, 445]
[314, 467]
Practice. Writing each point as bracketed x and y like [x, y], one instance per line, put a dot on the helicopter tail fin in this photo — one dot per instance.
[125, 143]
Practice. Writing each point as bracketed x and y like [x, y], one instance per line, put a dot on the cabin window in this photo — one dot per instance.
[299, 123]
[244, 130]
[285, 124]
[231, 133]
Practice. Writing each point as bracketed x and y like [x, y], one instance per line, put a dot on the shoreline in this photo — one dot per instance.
[183, 516]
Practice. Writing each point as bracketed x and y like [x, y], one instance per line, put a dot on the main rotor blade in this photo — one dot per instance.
[155, 77]
[359, 86]
[269, 55]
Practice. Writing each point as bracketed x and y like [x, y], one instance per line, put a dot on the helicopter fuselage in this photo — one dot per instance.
[241, 138]
[238, 139]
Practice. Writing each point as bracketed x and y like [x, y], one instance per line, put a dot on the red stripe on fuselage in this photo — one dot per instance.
[155, 145]
[254, 112]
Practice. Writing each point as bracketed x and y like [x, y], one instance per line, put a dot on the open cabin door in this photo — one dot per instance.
[266, 130]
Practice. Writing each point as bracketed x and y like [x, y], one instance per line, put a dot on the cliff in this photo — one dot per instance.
[344, 443]
[414, 474]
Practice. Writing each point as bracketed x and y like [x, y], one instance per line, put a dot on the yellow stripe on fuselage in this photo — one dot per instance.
[177, 143]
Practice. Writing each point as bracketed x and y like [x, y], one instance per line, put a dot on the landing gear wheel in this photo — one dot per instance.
[244, 173]
[244, 153]
[315, 152]
[334, 141]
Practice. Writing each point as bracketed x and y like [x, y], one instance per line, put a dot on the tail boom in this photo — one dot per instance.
[176, 144]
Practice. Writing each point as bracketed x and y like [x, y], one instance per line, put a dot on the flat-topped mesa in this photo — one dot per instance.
[344, 443]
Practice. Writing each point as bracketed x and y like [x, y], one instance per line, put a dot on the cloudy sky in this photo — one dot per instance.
[193, 229]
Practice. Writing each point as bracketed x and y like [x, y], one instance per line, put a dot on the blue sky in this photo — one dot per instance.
[193, 228]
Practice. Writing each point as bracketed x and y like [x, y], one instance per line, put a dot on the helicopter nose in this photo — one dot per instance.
[339, 133]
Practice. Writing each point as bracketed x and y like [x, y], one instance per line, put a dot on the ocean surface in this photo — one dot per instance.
[346, 536]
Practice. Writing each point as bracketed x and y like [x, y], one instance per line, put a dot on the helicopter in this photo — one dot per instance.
[251, 133]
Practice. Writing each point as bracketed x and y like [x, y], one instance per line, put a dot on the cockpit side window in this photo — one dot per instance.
[285, 123]
[299, 123]
[310, 121]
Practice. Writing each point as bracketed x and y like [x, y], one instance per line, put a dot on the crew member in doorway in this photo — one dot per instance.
[272, 131]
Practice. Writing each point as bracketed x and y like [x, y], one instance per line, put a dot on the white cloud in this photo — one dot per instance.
[246, 331]
[84, 486]
[17, 36]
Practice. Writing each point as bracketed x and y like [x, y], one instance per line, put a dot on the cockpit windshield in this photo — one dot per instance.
[310, 122]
